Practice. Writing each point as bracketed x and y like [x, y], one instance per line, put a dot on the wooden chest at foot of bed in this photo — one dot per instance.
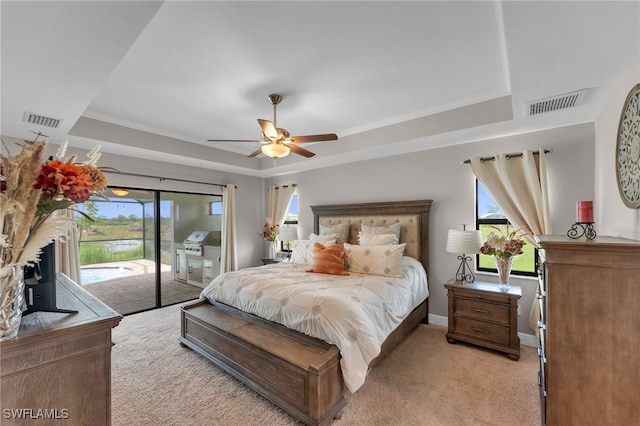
[298, 373]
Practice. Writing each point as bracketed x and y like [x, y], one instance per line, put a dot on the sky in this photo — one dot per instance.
[485, 203]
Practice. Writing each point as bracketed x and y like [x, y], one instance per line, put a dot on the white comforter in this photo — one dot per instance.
[356, 312]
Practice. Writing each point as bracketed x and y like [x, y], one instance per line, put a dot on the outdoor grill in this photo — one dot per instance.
[194, 243]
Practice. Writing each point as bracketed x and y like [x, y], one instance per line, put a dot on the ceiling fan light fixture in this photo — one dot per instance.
[277, 142]
[120, 192]
[275, 150]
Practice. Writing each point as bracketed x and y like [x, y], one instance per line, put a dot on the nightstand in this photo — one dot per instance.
[483, 314]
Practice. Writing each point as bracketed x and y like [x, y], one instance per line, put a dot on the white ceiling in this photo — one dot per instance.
[422, 74]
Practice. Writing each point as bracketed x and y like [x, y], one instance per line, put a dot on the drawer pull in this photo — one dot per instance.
[541, 355]
[479, 296]
[480, 311]
[480, 330]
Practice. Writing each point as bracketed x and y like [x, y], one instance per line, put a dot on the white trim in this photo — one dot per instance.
[438, 320]
[528, 340]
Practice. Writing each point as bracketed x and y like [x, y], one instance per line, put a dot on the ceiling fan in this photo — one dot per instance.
[277, 142]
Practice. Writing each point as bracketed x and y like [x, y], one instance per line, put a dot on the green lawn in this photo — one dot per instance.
[110, 232]
[524, 262]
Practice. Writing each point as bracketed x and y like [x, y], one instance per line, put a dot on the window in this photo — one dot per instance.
[141, 235]
[215, 208]
[488, 216]
[290, 220]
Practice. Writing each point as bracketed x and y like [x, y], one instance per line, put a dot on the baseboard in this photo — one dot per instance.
[438, 320]
[525, 339]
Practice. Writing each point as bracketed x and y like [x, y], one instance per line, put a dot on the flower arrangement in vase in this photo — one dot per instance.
[503, 248]
[269, 233]
[32, 191]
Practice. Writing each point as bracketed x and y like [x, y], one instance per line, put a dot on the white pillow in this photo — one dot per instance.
[375, 260]
[393, 228]
[323, 238]
[303, 250]
[368, 239]
[340, 229]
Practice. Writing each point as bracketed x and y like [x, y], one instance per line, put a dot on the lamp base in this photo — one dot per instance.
[462, 275]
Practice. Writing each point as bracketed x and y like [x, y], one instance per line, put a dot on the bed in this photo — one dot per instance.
[307, 376]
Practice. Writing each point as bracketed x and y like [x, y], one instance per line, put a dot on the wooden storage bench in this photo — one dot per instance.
[298, 373]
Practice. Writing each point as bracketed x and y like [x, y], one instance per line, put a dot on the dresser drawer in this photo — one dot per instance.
[480, 295]
[483, 311]
[483, 330]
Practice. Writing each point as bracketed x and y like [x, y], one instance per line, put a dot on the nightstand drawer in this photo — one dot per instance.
[483, 311]
[484, 314]
[483, 330]
[481, 295]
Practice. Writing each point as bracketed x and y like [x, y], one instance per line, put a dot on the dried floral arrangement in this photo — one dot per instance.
[33, 191]
[270, 230]
[501, 245]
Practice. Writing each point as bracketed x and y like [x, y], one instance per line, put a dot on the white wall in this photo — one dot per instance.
[612, 216]
[439, 175]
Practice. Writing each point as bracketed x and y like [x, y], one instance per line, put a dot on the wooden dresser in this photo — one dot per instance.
[589, 331]
[485, 315]
[58, 369]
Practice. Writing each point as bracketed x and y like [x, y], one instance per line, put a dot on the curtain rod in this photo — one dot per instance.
[162, 179]
[513, 155]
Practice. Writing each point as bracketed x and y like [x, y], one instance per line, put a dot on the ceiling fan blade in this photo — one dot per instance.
[268, 129]
[234, 140]
[314, 138]
[300, 151]
[255, 153]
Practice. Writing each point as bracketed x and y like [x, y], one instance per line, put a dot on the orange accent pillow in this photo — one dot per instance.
[328, 260]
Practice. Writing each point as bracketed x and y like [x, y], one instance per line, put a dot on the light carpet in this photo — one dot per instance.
[424, 381]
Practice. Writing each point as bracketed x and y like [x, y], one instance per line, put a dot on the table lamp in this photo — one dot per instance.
[288, 233]
[464, 242]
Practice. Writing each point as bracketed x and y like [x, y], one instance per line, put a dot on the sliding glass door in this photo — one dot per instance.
[136, 254]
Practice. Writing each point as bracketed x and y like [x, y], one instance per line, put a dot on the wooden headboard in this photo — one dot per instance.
[413, 217]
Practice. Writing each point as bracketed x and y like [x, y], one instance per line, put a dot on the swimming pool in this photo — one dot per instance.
[94, 275]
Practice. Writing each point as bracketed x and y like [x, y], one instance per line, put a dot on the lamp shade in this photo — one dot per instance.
[275, 150]
[289, 233]
[467, 242]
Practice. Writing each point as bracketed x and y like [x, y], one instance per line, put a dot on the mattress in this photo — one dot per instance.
[356, 312]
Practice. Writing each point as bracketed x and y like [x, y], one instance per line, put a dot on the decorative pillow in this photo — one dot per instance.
[368, 239]
[340, 229]
[323, 238]
[393, 228]
[328, 260]
[302, 251]
[375, 260]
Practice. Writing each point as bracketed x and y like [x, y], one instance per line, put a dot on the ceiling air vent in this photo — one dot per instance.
[554, 103]
[41, 120]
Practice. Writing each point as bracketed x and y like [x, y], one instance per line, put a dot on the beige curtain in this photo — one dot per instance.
[519, 186]
[229, 258]
[279, 198]
[67, 252]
